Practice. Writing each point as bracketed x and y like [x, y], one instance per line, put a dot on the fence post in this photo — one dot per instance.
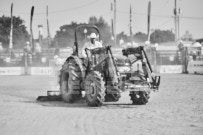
[26, 64]
[155, 60]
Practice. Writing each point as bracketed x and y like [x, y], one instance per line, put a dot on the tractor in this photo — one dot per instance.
[98, 76]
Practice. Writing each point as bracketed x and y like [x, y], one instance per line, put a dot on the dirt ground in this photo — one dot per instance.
[177, 109]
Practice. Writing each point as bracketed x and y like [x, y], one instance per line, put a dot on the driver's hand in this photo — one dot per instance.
[144, 60]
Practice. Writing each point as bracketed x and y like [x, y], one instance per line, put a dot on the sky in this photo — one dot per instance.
[63, 12]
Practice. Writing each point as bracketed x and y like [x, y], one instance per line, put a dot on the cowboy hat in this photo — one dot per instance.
[92, 35]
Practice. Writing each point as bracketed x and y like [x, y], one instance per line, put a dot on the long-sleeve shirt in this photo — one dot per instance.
[89, 45]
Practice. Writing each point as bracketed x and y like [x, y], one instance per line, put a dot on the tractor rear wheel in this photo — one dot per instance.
[95, 89]
[70, 81]
[139, 98]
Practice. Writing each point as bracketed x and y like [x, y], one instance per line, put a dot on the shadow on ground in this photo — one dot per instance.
[83, 104]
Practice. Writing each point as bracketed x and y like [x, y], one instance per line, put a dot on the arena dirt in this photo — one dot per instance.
[177, 109]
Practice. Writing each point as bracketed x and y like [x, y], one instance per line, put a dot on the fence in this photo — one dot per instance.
[165, 61]
[18, 62]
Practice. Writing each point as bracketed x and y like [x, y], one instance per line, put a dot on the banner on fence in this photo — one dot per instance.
[41, 71]
[195, 67]
[11, 70]
[171, 69]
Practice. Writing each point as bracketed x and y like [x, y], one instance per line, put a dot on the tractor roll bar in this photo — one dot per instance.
[87, 26]
[84, 26]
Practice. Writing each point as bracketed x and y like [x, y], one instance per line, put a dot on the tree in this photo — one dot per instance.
[104, 28]
[140, 37]
[20, 34]
[187, 36]
[159, 36]
[92, 20]
[65, 35]
[123, 36]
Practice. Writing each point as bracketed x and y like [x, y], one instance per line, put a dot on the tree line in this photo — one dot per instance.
[65, 35]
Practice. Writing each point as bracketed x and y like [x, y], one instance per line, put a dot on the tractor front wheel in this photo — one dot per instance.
[140, 97]
[95, 89]
[70, 81]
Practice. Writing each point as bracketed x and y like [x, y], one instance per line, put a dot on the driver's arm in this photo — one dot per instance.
[99, 44]
[86, 45]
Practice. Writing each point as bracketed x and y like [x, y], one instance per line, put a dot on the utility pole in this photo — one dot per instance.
[148, 21]
[176, 20]
[131, 34]
[115, 22]
[112, 25]
[178, 24]
[48, 32]
[31, 32]
[11, 31]
[40, 33]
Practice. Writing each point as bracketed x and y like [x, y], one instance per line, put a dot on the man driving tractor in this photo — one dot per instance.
[92, 44]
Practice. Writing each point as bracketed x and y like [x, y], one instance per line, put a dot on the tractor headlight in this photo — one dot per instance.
[43, 59]
[116, 61]
[123, 69]
[73, 78]
[7, 59]
[127, 62]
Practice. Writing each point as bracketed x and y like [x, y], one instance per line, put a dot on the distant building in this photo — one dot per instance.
[199, 40]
